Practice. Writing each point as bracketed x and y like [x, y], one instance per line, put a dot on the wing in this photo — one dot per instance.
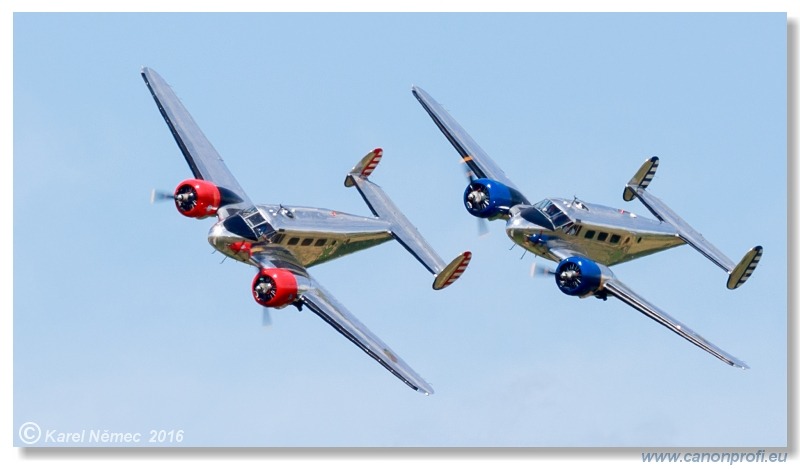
[334, 313]
[616, 288]
[471, 153]
[324, 305]
[623, 292]
[200, 154]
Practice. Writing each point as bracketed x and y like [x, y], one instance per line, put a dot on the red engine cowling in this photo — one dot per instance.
[274, 288]
[196, 198]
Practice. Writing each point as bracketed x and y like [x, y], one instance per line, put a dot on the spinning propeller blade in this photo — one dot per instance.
[541, 270]
[160, 196]
[266, 318]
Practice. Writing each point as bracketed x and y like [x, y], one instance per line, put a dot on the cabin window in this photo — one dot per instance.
[602, 236]
[614, 239]
[307, 242]
[589, 234]
[293, 241]
[278, 238]
[321, 242]
[574, 230]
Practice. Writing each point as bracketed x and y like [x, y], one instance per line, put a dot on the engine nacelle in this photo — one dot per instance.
[274, 288]
[578, 276]
[486, 198]
[196, 198]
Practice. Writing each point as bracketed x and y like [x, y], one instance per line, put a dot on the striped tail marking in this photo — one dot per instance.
[453, 271]
[377, 154]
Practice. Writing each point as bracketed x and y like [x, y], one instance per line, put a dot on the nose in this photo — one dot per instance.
[519, 229]
[221, 238]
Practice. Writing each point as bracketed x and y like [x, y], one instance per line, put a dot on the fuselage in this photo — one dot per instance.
[604, 234]
[311, 235]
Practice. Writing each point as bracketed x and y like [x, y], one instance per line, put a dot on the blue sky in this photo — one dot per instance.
[124, 320]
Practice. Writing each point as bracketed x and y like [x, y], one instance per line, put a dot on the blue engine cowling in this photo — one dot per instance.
[486, 198]
[578, 276]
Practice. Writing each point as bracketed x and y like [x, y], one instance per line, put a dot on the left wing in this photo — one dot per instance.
[324, 305]
[200, 154]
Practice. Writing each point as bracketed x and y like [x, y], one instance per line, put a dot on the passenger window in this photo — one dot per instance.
[614, 239]
[307, 242]
[321, 242]
[293, 241]
[602, 236]
[589, 234]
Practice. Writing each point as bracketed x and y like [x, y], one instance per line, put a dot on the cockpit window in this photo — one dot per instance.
[249, 224]
[553, 212]
[255, 219]
[236, 225]
[260, 227]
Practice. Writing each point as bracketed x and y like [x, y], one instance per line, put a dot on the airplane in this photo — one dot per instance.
[282, 241]
[586, 239]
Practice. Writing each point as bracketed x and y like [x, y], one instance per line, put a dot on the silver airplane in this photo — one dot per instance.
[282, 241]
[583, 238]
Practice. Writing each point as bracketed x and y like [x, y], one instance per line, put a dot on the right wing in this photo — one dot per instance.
[324, 305]
[626, 295]
[200, 154]
[473, 155]
[614, 287]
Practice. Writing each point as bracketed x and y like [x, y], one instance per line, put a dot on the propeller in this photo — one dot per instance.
[570, 275]
[478, 196]
[185, 197]
[541, 270]
[265, 290]
[160, 196]
[266, 318]
[483, 226]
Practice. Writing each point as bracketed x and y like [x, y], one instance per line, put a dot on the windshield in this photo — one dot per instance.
[249, 224]
[552, 212]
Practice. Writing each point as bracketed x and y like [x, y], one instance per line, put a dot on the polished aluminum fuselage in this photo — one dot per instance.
[606, 235]
[312, 235]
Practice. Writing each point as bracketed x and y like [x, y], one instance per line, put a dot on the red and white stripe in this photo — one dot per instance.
[462, 266]
[370, 167]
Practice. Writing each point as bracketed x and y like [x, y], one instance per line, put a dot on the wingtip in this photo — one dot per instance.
[741, 365]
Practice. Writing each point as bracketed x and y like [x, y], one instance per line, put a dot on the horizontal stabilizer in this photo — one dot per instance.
[641, 179]
[401, 228]
[365, 167]
[738, 273]
[453, 271]
[745, 268]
